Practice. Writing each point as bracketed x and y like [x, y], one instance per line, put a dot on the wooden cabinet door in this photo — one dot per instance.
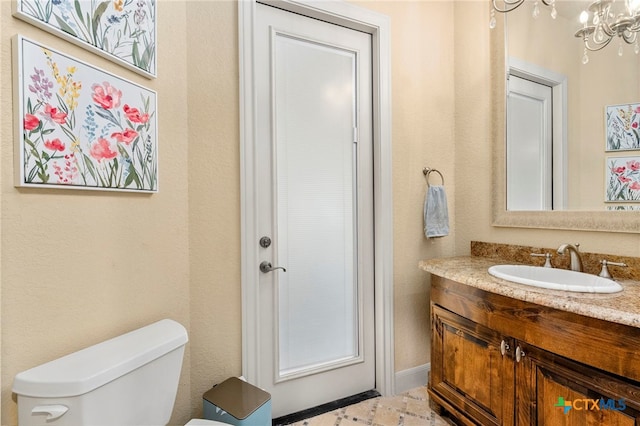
[554, 391]
[469, 375]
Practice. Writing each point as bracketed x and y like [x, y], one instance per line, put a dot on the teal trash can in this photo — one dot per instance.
[237, 402]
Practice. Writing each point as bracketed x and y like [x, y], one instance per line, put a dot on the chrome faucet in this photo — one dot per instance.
[576, 262]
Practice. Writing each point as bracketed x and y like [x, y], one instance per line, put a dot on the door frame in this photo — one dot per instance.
[354, 17]
[558, 84]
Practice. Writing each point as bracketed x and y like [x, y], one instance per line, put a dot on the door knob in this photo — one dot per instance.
[267, 267]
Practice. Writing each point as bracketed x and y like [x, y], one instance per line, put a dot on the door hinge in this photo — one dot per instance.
[355, 135]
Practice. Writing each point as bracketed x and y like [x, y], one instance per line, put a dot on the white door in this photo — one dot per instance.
[315, 204]
[529, 145]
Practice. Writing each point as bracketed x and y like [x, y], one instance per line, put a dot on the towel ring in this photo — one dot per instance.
[427, 172]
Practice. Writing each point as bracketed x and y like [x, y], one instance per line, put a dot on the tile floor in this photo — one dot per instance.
[407, 409]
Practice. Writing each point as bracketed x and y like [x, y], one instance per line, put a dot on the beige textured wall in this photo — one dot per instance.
[422, 125]
[473, 154]
[214, 194]
[79, 267]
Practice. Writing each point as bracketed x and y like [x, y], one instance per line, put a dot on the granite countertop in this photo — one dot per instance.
[622, 307]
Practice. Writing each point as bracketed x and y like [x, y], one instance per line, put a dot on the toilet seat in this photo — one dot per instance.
[203, 422]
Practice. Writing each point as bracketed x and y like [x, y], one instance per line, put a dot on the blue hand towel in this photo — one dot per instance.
[436, 214]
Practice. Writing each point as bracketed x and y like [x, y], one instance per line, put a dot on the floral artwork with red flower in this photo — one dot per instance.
[54, 145]
[31, 122]
[622, 127]
[52, 114]
[134, 115]
[83, 127]
[623, 179]
[106, 95]
[102, 150]
[127, 136]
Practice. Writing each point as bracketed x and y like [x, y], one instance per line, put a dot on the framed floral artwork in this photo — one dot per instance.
[622, 179]
[123, 31]
[622, 124]
[81, 127]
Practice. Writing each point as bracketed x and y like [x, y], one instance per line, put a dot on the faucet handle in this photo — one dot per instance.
[604, 273]
[547, 262]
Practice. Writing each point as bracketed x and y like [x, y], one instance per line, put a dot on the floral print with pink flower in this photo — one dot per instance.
[106, 96]
[623, 181]
[54, 145]
[83, 127]
[127, 136]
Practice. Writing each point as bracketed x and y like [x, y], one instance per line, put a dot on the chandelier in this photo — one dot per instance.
[504, 6]
[600, 24]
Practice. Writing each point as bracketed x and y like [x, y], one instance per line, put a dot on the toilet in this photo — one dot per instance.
[130, 380]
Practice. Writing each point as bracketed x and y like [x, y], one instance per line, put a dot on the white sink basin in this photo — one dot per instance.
[555, 279]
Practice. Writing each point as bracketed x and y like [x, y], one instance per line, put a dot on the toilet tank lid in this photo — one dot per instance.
[85, 370]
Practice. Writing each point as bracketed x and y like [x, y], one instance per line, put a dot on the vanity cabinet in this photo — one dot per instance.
[501, 361]
[591, 396]
[468, 371]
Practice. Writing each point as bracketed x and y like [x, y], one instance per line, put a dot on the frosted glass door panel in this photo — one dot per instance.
[315, 201]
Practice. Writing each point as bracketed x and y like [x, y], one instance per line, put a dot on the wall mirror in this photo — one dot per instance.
[560, 155]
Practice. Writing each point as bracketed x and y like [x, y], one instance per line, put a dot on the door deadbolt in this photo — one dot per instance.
[265, 242]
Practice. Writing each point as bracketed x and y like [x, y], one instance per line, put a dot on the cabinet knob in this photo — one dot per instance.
[519, 354]
[504, 348]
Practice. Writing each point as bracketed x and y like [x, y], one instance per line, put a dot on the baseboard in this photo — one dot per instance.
[412, 378]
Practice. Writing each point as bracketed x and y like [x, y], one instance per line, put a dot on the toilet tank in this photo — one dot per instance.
[130, 380]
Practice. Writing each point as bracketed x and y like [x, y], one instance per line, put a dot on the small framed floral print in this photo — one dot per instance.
[123, 31]
[81, 127]
[622, 127]
[622, 179]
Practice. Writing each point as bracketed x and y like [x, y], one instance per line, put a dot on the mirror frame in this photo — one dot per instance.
[577, 220]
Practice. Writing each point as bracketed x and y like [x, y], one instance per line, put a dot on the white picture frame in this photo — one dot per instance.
[622, 179]
[80, 127]
[622, 127]
[123, 31]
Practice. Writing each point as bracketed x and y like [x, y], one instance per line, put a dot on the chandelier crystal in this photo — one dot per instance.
[600, 24]
[505, 6]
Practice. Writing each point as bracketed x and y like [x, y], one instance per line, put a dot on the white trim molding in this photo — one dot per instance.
[350, 16]
[558, 83]
[412, 378]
